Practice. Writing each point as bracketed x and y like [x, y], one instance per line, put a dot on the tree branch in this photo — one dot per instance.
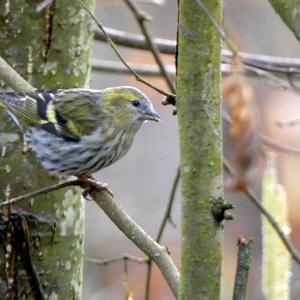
[255, 200]
[141, 19]
[152, 70]
[166, 218]
[119, 68]
[242, 268]
[13, 79]
[45, 190]
[119, 55]
[219, 29]
[140, 238]
[106, 261]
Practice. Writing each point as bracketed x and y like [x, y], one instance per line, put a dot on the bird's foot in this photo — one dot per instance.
[90, 184]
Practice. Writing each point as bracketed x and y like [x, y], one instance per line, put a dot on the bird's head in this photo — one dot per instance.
[128, 106]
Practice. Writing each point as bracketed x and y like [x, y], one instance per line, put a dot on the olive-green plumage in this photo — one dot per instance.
[79, 131]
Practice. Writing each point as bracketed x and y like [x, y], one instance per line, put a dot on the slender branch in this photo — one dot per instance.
[13, 79]
[45, 190]
[288, 122]
[278, 146]
[220, 30]
[153, 70]
[242, 268]
[167, 217]
[140, 238]
[255, 200]
[136, 41]
[117, 52]
[103, 262]
[141, 19]
[269, 63]
[119, 68]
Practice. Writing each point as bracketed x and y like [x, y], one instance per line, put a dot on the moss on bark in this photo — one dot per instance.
[199, 115]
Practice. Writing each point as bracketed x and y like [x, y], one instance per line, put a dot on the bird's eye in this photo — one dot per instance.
[135, 103]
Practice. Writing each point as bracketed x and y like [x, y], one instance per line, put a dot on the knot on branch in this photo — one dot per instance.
[219, 210]
[169, 99]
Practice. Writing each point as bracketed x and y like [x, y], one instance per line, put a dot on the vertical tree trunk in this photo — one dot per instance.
[51, 49]
[199, 115]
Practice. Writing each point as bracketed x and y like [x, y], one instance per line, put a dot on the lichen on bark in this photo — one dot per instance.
[51, 49]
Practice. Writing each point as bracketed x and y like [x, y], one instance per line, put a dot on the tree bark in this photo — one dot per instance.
[289, 12]
[199, 116]
[51, 49]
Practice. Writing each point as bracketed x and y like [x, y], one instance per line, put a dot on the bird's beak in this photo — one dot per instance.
[151, 115]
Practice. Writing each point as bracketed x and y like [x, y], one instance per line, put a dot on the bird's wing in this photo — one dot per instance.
[66, 113]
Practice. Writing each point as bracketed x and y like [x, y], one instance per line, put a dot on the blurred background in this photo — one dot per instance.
[142, 180]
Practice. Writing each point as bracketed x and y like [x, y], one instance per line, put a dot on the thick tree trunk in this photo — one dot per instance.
[199, 115]
[51, 49]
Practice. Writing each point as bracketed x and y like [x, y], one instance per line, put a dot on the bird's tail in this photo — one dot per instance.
[10, 103]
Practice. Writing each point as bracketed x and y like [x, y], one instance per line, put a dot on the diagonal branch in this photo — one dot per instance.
[217, 27]
[141, 19]
[159, 254]
[167, 217]
[42, 191]
[13, 79]
[117, 52]
[255, 200]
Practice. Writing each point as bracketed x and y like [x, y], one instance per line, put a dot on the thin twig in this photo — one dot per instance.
[288, 122]
[137, 41]
[45, 190]
[242, 268]
[141, 19]
[13, 79]
[278, 146]
[167, 217]
[119, 68]
[152, 70]
[220, 31]
[140, 238]
[117, 52]
[106, 261]
[255, 200]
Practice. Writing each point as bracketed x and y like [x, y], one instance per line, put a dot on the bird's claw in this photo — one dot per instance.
[90, 184]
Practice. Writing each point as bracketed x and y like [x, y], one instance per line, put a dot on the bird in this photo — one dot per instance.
[76, 132]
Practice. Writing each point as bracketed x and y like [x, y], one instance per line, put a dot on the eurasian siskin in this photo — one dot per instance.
[79, 131]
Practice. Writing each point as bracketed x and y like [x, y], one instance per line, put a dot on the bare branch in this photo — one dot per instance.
[288, 122]
[220, 30]
[140, 238]
[278, 146]
[117, 52]
[141, 19]
[103, 262]
[153, 70]
[136, 41]
[242, 268]
[119, 68]
[255, 200]
[13, 79]
[167, 217]
[45, 190]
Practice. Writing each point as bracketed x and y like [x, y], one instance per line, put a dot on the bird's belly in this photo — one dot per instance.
[66, 158]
